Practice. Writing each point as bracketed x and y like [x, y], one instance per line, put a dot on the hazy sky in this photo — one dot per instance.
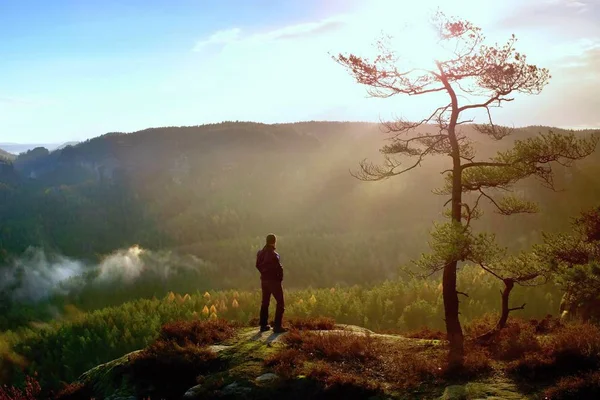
[76, 69]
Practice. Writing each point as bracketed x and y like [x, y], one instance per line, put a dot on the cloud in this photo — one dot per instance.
[15, 101]
[579, 5]
[22, 102]
[567, 18]
[37, 275]
[305, 30]
[219, 37]
[571, 98]
[290, 32]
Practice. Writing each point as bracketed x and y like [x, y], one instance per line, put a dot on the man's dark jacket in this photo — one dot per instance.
[269, 265]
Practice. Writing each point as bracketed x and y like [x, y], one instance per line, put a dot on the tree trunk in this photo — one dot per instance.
[453, 328]
[450, 295]
[508, 287]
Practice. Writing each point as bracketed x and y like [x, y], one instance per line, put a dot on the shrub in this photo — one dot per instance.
[576, 347]
[198, 333]
[311, 323]
[426, 333]
[355, 359]
[173, 362]
[547, 325]
[573, 348]
[516, 339]
[342, 385]
[481, 325]
[74, 391]
[31, 390]
[286, 362]
[171, 368]
[585, 386]
[477, 362]
[343, 346]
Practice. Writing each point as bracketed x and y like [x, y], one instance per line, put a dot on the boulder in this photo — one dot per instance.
[235, 389]
[193, 392]
[267, 378]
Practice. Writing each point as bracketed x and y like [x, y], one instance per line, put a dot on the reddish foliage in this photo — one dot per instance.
[174, 361]
[343, 385]
[74, 391]
[342, 346]
[312, 323]
[585, 386]
[573, 348]
[426, 333]
[197, 332]
[348, 359]
[31, 390]
[286, 361]
[170, 368]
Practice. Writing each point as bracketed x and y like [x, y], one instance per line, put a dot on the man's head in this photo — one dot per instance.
[271, 240]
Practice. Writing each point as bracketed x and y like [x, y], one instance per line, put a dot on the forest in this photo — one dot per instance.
[195, 201]
[437, 254]
[186, 211]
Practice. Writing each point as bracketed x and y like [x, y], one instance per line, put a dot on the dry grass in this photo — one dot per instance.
[585, 386]
[170, 368]
[345, 359]
[303, 323]
[198, 333]
[426, 333]
[286, 362]
[174, 361]
[340, 384]
[311, 324]
[571, 349]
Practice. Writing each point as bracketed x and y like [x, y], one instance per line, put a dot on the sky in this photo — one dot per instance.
[75, 69]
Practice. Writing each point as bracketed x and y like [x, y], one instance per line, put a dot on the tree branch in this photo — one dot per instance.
[517, 308]
[502, 211]
[491, 272]
[485, 164]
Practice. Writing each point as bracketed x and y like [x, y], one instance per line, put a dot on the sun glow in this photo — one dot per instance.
[407, 27]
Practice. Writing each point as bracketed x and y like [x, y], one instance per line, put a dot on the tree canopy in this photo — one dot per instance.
[486, 76]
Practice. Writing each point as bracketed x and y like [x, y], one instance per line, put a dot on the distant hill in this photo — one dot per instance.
[6, 155]
[215, 190]
[17, 148]
[62, 146]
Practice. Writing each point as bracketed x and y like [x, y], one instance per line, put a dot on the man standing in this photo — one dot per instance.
[271, 276]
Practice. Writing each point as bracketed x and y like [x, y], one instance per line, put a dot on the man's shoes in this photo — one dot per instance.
[265, 328]
[279, 329]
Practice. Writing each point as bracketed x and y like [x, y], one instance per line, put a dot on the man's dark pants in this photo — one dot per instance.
[270, 287]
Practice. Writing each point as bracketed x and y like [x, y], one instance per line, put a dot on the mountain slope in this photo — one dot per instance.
[215, 190]
[6, 155]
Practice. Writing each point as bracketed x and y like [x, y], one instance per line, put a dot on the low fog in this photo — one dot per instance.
[38, 275]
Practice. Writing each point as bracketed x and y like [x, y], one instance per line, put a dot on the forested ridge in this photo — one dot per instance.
[214, 191]
[198, 202]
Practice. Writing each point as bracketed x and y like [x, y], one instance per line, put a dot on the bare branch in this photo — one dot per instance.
[491, 272]
[372, 172]
[493, 201]
[401, 126]
[484, 164]
[517, 308]
[490, 129]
